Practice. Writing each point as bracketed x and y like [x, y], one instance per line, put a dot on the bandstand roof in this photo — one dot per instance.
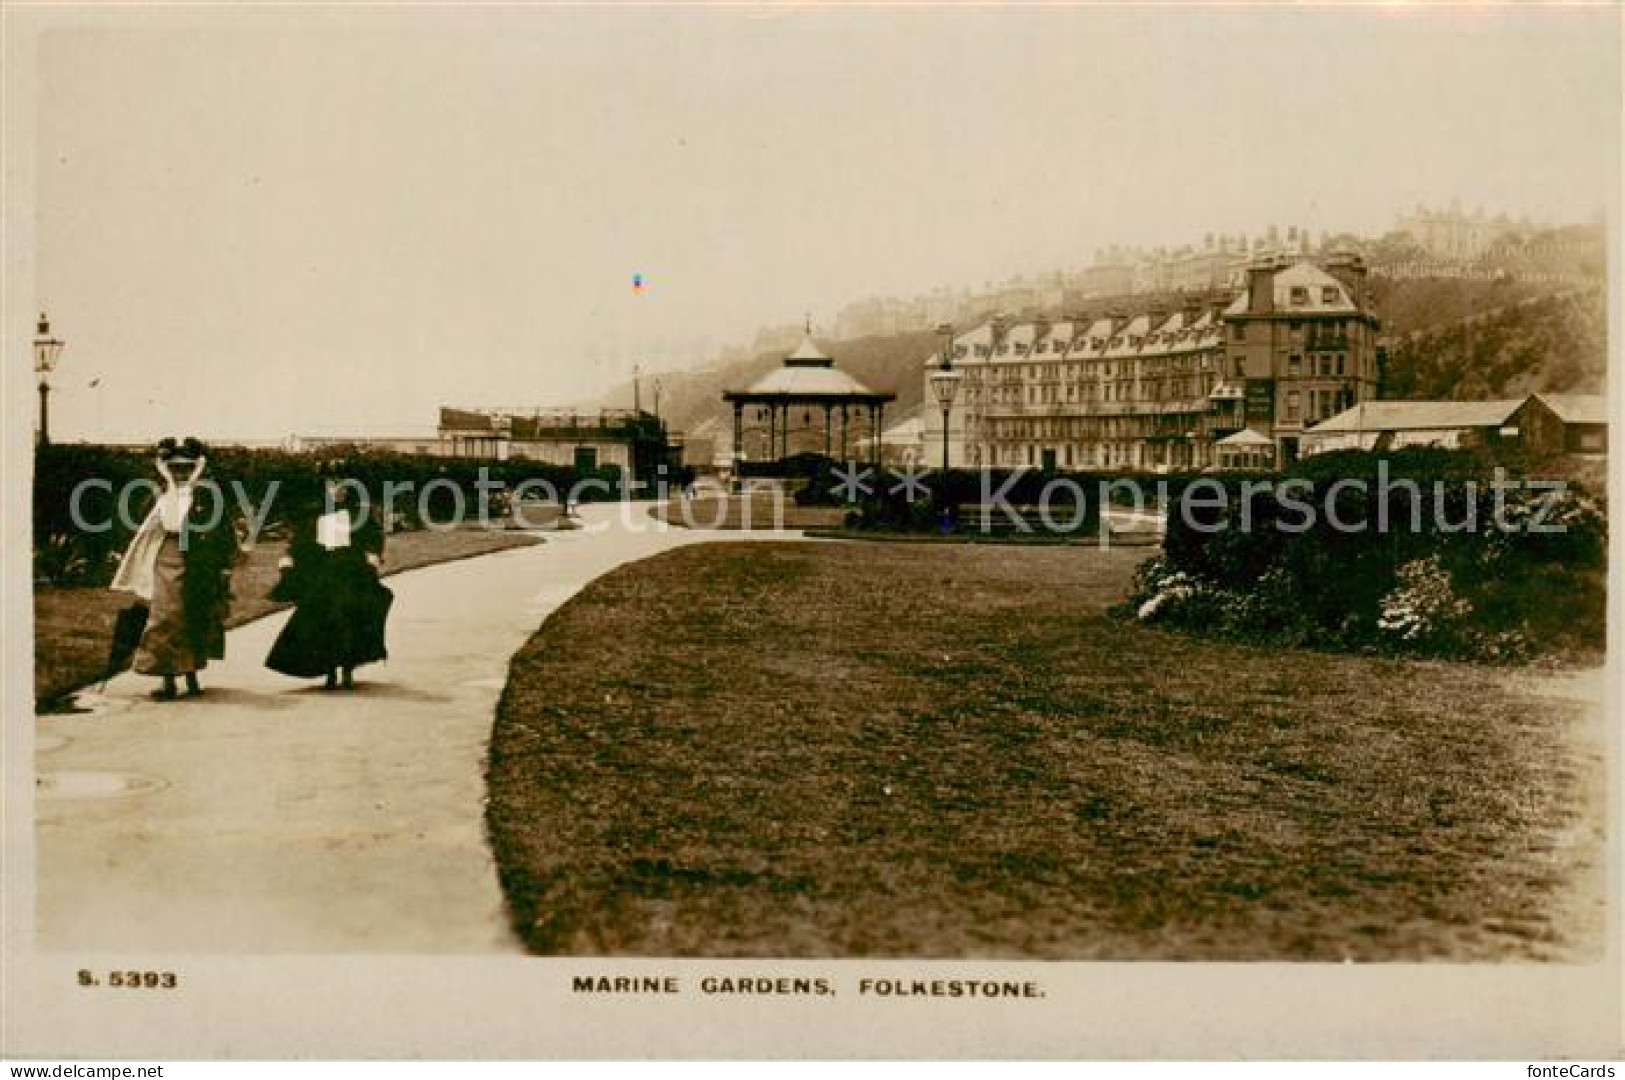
[807, 375]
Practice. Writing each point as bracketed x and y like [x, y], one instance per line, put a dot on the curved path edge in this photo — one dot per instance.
[272, 816]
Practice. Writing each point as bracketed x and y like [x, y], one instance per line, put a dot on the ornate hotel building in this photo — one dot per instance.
[1166, 390]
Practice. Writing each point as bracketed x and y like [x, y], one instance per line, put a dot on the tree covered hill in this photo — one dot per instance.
[1555, 343]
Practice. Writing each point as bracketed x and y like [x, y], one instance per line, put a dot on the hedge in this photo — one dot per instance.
[66, 554]
[940, 500]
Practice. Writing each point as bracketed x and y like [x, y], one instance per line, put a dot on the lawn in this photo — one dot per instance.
[761, 510]
[890, 749]
[72, 626]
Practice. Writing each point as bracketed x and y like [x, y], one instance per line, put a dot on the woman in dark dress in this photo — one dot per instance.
[180, 564]
[331, 575]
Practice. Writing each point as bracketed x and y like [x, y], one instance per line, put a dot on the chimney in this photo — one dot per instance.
[1261, 289]
[1001, 325]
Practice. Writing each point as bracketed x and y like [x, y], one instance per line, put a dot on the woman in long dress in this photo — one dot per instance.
[180, 564]
[331, 575]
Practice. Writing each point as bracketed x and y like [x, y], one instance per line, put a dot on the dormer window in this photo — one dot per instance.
[1300, 295]
[1328, 294]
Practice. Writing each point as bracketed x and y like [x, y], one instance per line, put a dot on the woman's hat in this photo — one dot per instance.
[189, 449]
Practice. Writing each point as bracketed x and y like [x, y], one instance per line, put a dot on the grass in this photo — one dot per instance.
[73, 626]
[892, 749]
[1035, 538]
[761, 510]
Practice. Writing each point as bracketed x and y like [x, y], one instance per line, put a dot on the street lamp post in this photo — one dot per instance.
[46, 351]
[945, 385]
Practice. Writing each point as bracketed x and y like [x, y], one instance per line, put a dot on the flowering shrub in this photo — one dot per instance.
[1164, 590]
[1167, 595]
[1475, 563]
[1423, 608]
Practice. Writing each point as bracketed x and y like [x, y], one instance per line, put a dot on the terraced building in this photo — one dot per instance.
[1163, 389]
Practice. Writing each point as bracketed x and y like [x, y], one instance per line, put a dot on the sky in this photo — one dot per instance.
[251, 225]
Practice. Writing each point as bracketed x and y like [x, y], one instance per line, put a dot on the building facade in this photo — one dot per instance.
[627, 440]
[1156, 390]
[1455, 233]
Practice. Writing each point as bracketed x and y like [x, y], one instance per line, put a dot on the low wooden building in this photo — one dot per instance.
[1540, 424]
[635, 442]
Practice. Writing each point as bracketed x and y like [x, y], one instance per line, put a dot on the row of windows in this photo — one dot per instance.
[1323, 365]
[1128, 389]
[1299, 295]
[1320, 366]
[1322, 404]
[1103, 427]
[1104, 454]
[1332, 328]
[1053, 372]
[985, 350]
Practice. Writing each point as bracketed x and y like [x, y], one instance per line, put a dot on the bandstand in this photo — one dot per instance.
[837, 413]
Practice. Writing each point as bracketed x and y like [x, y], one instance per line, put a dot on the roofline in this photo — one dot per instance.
[769, 397]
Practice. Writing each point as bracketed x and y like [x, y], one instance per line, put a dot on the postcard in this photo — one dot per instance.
[810, 531]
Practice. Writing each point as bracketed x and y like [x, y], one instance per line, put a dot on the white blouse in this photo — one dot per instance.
[173, 506]
[333, 530]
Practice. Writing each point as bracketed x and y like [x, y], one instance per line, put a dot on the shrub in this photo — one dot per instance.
[1423, 609]
[1458, 571]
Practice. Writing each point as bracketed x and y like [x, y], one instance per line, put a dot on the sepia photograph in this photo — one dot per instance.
[810, 531]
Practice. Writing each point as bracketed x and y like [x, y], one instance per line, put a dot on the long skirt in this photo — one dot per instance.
[340, 625]
[168, 646]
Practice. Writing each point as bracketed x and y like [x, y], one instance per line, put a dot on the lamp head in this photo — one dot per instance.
[46, 348]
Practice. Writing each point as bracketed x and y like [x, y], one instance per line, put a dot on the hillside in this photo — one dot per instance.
[1556, 343]
[1453, 338]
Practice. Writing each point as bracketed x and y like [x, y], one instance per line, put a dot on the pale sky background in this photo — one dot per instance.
[253, 226]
